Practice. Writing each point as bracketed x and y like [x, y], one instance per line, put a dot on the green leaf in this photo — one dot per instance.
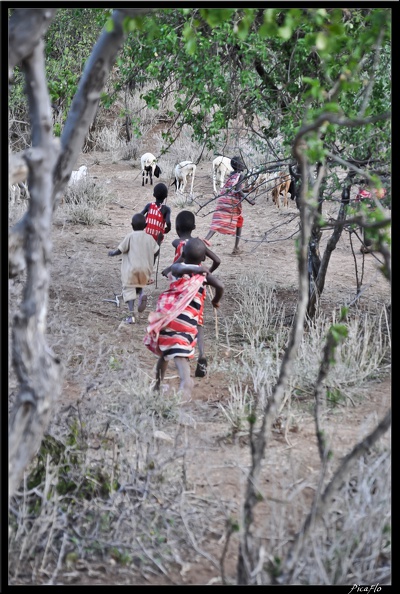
[109, 26]
[321, 41]
[285, 32]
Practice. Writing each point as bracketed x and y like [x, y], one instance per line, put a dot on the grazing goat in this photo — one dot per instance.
[282, 185]
[256, 180]
[221, 167]
[76, 176]
[183, 170]
[149, 167]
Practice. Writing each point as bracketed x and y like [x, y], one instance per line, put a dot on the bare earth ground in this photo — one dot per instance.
[83, 275]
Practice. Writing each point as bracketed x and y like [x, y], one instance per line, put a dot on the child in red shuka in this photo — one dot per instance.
[173, 327]
[184, 225]
[158, 215]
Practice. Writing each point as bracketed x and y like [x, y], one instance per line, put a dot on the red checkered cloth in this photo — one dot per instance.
[171, 303]
[155, 221]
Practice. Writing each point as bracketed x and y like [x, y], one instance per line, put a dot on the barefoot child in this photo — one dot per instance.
[139, 252]
[184, 225]
[173, 327]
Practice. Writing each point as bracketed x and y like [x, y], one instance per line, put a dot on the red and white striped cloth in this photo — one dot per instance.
[228, 210]
[172, 329]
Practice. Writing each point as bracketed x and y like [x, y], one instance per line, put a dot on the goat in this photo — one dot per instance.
[183, 170]
[256, 180]
[221, 167]
[282, 185]
[149, 167]
[76, 176]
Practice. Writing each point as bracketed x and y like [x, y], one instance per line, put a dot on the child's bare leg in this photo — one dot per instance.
[161, 368]
[209, 235]
[237, 239]
[200, 341]
[186, 385]
[131, 318]
[201, 369]
[142, 302]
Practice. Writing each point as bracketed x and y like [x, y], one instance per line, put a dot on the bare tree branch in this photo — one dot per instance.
[26, 29]
[36, 366]
[247, 555]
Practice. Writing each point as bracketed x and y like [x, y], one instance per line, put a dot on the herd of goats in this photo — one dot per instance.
[185, 171]
[283, 183]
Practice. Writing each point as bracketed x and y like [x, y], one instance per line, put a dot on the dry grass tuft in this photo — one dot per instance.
[85, 201]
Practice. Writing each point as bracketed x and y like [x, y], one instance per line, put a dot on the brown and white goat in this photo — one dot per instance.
[282, 185]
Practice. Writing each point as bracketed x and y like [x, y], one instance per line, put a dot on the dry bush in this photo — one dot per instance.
[113, 489]
[85, 201]
[352, 545]
[261, 324]
[16, 210]
[109, 139]
[362, 357]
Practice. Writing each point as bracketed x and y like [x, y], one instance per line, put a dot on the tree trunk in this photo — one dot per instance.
[37, 369]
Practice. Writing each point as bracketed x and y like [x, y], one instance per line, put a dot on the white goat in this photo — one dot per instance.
[221, 167]
[149, 167]
[183, 171]
[76, 176]
[18, 192]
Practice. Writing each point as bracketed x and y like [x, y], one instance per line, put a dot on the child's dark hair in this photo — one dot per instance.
[138, 222]
[185, 221]
[237, 163]
[194, 251]
[160, 192]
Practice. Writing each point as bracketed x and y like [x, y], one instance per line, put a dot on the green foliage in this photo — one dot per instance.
[315, 43]
[338, 332]
[334, 396]
[69, 459]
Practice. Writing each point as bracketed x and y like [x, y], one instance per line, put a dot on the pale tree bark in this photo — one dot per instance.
[36, 367]
[49, 167]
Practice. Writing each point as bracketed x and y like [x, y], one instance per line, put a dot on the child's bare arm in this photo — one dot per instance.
[167, 218]
[167, 270]
[216, 261]
[218, 286]
[116, 252]
[179, 269]
[249, 200]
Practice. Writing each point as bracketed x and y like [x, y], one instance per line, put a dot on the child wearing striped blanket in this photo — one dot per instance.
[173, 327]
